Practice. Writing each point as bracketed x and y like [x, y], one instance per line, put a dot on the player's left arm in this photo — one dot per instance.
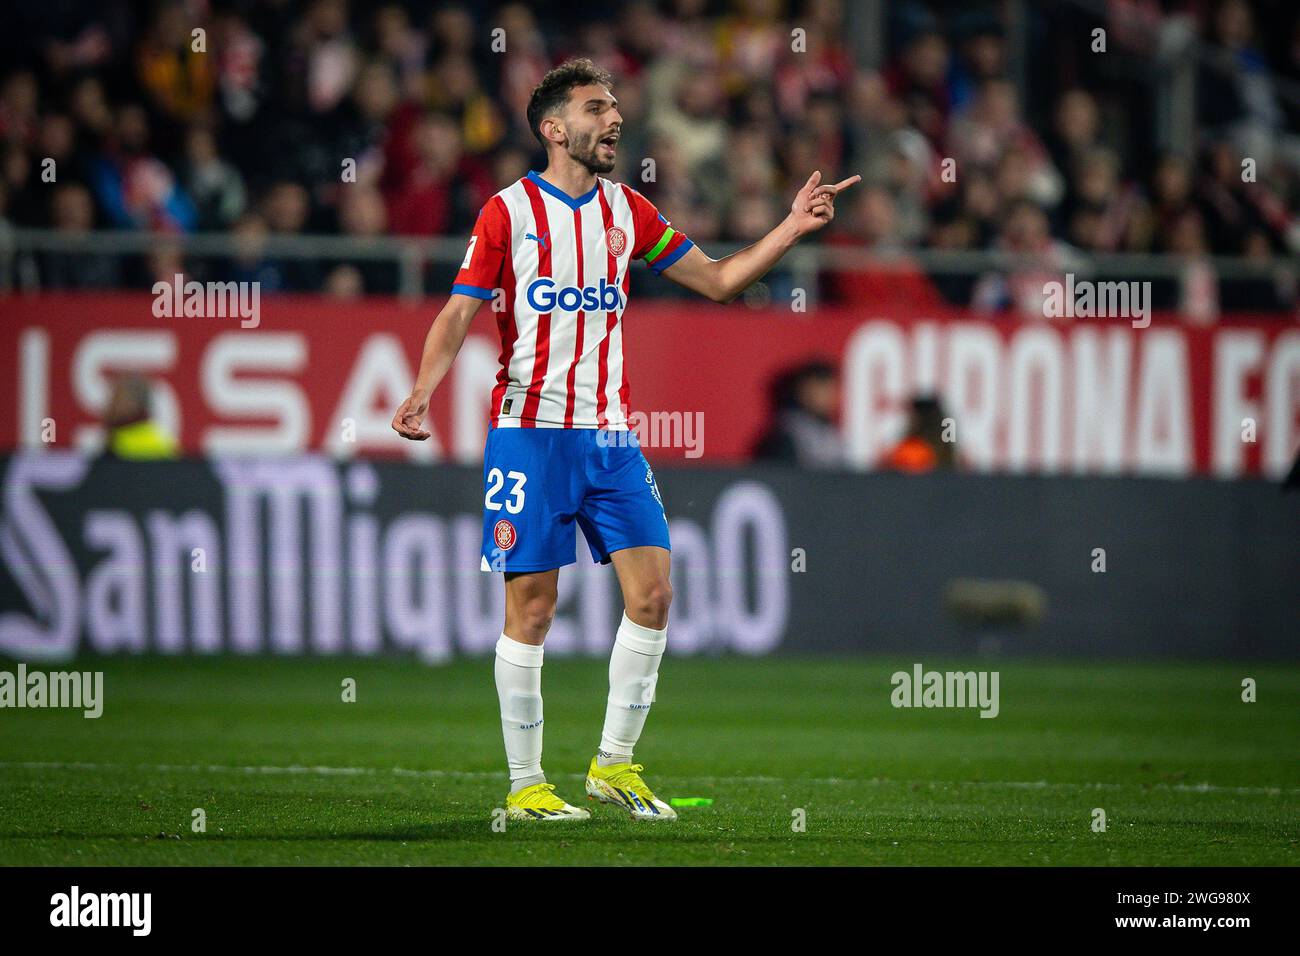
[724, 279]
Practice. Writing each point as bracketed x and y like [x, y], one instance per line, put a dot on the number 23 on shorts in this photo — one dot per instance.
[514, 501]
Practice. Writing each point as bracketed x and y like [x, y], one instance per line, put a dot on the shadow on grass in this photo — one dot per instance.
[626, 833]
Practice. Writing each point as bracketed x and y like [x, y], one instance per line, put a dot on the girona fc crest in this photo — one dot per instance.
[616, 239]
[504, 535]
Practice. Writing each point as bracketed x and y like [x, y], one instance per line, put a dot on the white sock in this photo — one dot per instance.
[633, 672]
[519, 689]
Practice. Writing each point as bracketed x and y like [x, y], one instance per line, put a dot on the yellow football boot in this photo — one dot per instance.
[539, 802]
[621, 785]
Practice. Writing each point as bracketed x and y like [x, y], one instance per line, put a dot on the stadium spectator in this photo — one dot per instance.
[250, 263]
[927, 444]
[1076, 129]
[872, 223]
[327, 55]
[285, 209]
[57, 142]
[132, 434]
[20, 173]
[1198, 297]
[405, 48]
[1099, 196]
[88, 103]
[214, 185]
[694, 120]
[20, 108]
[134, 186]
[1171, 196]
[73, 215]
[983, 56]
[1038, 259]
[1236, 92]
[173, 67]
[345, 282]
[919, 79]
[445, 188]
[363, 217]
[803, 432]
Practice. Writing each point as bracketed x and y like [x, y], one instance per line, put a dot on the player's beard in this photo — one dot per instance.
[583, 150]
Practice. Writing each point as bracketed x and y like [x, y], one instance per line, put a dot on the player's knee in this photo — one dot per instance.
[538, 614]
[533, 617]
[649, 605]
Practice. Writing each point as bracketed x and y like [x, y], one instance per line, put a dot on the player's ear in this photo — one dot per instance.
[553, 129]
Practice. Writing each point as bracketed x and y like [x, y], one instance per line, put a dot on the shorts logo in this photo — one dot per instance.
[654, 485]
[504, 535]
[616, 239]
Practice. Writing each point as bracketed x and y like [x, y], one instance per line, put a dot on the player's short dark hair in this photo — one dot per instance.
[553, 92]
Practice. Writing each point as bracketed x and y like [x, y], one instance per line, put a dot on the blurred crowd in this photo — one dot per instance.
[803, 431]
[395, 118]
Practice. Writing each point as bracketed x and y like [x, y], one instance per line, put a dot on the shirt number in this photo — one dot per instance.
[514, 503]
[469, 253]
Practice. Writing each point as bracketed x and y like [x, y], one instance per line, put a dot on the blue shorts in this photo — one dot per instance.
[539, 481]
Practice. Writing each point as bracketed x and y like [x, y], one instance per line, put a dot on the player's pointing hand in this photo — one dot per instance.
[814, 204]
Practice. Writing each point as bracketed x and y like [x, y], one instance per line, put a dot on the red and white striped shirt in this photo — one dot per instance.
[561, 263]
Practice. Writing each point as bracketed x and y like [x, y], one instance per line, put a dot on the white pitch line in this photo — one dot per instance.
[494, 775]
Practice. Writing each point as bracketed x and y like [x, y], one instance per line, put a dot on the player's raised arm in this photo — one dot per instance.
[446, 336]
[724, 279]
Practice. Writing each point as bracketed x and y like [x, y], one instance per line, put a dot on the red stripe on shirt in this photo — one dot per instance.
[542, 354]
[582, 320]
[645, 222]
[611, 318]
[507, 327]
[625, 391]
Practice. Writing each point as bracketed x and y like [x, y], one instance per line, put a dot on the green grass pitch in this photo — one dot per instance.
[410, 773]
